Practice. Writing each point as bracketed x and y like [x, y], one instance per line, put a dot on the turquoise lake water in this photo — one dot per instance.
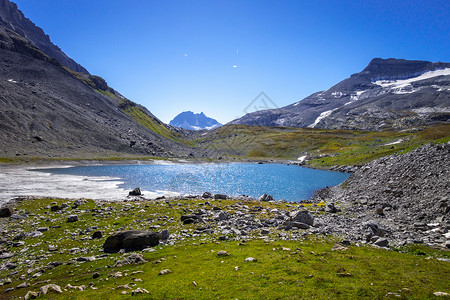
[288, 182]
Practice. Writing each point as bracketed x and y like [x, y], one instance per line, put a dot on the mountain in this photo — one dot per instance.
[189, 120]
[12, 19]
[47, 109]
[389, 94]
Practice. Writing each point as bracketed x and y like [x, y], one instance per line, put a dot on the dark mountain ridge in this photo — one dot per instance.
[373, 99]
[13, 19]
[49, 110]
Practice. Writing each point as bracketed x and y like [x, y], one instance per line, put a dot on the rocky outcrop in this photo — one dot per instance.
[405, 198]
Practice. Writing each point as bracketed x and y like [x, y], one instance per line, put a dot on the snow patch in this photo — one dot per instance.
[393, 143]
[404, 82]
[320, 117]
[301, 158]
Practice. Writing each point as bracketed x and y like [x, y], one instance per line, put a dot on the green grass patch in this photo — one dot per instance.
[285, 269]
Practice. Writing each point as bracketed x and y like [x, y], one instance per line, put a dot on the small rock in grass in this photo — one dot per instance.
[382, 242]
[344, 274]
[49, 287]
[339, 247]
[6, 212]
[222, 253]
[97, 234]
[30, 295]
[139, 291]
[96, 275]
[131, 259]
[438, 294]
[72, 218]
[23, 285]
[251, 259]
[164, 272]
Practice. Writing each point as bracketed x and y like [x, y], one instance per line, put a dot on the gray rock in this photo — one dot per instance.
[206, 195]
[6, 212]
[382, 242]
[304, 216]
[131, 240]
[34, 234]
[220, 197]
[135, 192]
[50, 287]
[133, 258]
[97, 234]
[72, 218]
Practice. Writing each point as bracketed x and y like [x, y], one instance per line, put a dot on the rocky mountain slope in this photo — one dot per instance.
[192, 121]
[12, 19]
[404, 198]
[49, 110]
[388, 94]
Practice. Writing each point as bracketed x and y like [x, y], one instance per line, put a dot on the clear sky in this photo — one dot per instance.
[217, 56]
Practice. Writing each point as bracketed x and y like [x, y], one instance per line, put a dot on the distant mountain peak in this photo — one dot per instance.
[194, 121]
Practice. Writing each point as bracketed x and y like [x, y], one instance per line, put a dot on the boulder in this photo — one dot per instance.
[303, 216]
[6, 212]
[330, 208]
[131, 240]
[220, 197]
[135, 192]
[206, 195]
[164, 235]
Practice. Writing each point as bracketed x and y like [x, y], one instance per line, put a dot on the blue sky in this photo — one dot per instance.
[217, 56]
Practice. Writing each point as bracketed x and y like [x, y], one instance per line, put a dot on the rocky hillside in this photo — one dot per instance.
[388, 94]
[405, 198]
[12, 20]
[192, 121]
[49, 110]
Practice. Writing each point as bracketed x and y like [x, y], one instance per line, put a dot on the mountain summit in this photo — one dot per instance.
[192, 121]
[389, 94]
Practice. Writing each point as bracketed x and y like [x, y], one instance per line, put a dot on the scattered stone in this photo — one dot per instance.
[34, 234]
[72, 218]
[131, 240]
[304, 216]
[133, 258]
[50, 287]
[220, 197]
[5, 255]
[382, 242]
[222, 253]
[265, 197]
[344, 274]
[165, 271]
[439, 294]
[139, 291]
[42, 229]
[135, 192]
[30, 295]
[71, 287]
[251, 259]
[55, 208]
[6, 212]
[96, 275]
[206, 195]
[97, 234]
[23, 285]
